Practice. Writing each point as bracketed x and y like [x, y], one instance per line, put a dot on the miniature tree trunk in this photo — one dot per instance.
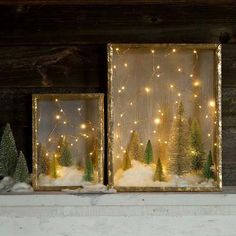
[126, 161]
[196, 146]
[22, 173]
[8, 153]
[207, 167]
[88, 172]
[148, 156]
[159, 176]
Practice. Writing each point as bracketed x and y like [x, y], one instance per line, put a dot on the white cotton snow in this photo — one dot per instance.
[141, 175]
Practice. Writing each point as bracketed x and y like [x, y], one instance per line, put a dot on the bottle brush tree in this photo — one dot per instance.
[135, 149]
[196, 147]
[178, 148]
[126, 161]
[8, 153]
[207, 167]
[148, 155]
[159, 175]
[88, 172]
[53, 166]
[65, 157]
[21, 173]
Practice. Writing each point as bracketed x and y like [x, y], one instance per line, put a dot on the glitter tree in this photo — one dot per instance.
[178, 152]
[126, 161]
[148, 155]
[158, 176]
[22, 173]
[8, 153]
[88, 172]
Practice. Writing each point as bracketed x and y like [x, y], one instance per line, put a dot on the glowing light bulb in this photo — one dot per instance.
[195, 95]
[215, 144]
[39, 119]
[165, 142]
[176, 102]
[212, 103]
[58, 146]
[83, 126]
[171, 86]
[152, 51]
[179, 94]
[56, 100]
[117, 49]
[114, 67]
[179, 69]
[191, 75]
[162, 114]
[62, 136]
[76, 140]
[118, 124]
[64, 122]
[158, 75]
[196, 83]
[119, 91]
[147, 89]
[159, 140]
[47, 154]
[93, 129]
[157, 121]
[117, 156]
[154, 131]
[209, 135]
[49, 140]
[131, 104]
[90, 153]
[79, 108]
[173, 50]
[117, 136]
[207, 116]
[200, 106]
[135, 122]
[126, 65]
[71, 144]
[123, 87]
[121, 115]
[141, 144]
[194, 51]
[131, 131]
[175, 117]
[58, 117]
[61, 110]
[37, 144]
[158, 67]
[159, 110]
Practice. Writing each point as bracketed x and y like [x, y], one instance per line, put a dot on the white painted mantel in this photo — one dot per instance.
[135, 214]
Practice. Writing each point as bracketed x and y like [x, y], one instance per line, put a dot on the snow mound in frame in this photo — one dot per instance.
[141, 175]
[67, 176]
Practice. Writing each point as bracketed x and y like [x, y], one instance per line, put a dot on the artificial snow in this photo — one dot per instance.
[141, 175]
[6, 184]
[67, 176]
[22, 188]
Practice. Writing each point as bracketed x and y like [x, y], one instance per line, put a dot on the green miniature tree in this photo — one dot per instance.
[126, 161]
[88, 172]
[148, 155]
[159, 175]
[207, 167]
[178, 149]
[22, 173]
[135, 149]
[8, 153]
[43, 160]
[65, 157]
[196, 147]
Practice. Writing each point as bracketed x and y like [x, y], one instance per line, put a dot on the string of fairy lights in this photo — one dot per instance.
[155, 72]
[62, 119]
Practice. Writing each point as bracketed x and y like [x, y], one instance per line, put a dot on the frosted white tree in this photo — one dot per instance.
[178, 149]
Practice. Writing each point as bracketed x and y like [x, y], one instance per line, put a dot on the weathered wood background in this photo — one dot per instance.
[62, 48]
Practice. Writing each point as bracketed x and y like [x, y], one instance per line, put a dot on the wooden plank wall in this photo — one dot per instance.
[62, 48]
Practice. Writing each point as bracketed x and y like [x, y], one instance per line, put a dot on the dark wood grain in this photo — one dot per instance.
[117, 23]
[67, 66]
